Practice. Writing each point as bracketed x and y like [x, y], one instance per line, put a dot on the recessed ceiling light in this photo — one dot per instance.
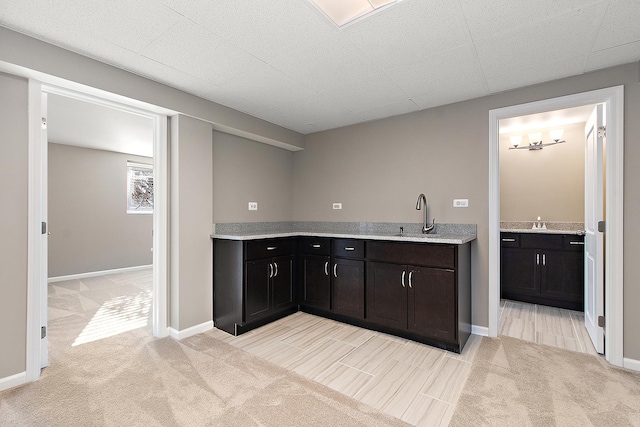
[343, 12]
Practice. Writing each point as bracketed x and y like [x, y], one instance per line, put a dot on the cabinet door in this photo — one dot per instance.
[432, 302]
[316, 281]
[387, 294]
[282, 282]
[562, 276]
[257, 295]
[348, 287]
[519, 272]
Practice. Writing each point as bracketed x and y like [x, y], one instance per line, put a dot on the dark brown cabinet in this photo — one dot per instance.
[253, 282]
[348, 277]
[543, 269]
[431, 301]
[315, 276]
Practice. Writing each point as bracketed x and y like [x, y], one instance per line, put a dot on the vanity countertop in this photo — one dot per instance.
[576, 228]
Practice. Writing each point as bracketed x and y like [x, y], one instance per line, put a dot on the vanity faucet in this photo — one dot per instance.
[422, 200]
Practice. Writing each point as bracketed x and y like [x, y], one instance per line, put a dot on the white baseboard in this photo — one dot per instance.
[186, 333]
[99, 273]
[480, 330]
[632, 364]
[13, 381]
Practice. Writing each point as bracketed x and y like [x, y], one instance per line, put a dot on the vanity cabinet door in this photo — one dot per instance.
[519, 272]
[315, 281]
[432, 302]
[387, 294]
[348, 287]
[562, 276]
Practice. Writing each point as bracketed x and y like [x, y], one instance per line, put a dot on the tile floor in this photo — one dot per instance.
[552, 326]
[414, 382]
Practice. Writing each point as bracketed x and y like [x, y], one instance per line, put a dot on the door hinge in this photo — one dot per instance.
[602, 226]
[44, 228]
[601, 321]
[43, 332]
[602, 131]
[44, 123]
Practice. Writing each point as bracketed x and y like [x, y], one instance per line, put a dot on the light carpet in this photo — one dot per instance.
[518, 383]
[133, 379]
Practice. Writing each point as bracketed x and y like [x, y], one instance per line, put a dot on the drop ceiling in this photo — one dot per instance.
[282, 61]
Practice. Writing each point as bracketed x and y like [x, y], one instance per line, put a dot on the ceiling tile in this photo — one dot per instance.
[620, 24]
[388, 110]
[391, 40]
[198, 52]
[486, 19]
[615, 56]
[564, 36]
[448, 95]
[538, 74]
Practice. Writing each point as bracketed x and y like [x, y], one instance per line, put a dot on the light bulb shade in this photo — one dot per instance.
[535, 137]
[515, 140]
[556, 134]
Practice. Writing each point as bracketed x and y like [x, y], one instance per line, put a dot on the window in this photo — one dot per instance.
[139, 188]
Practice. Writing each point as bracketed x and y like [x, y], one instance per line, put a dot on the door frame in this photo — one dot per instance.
[36, 272]
[613, 97]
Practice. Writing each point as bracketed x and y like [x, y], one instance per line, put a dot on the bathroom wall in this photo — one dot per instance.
[547, 183]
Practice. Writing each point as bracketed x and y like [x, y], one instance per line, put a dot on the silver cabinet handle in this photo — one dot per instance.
[508, 240]
[316, 246]
[544, 259]
[276, 273]
[403, 273]
[537, 259]
[576, 243]
[270, 270]
[272, 248]
[335, 270]
[410, 274]
[349, 249]
[326, 268]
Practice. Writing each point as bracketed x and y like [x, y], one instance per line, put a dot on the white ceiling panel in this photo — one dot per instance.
[621, 24]
[283, 61]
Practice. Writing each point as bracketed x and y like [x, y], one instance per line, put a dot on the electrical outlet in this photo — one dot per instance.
[460, 203]
[253, 206]
[337, 206]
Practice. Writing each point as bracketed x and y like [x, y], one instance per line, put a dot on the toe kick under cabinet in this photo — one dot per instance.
[420, 291]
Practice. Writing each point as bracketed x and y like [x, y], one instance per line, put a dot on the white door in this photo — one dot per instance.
[594, 212]
[44, 254]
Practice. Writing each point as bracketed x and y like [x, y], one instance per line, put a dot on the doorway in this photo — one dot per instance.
[612, 98]
[38, 238]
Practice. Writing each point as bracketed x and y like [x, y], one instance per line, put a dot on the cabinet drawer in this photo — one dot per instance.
[315, 245]
[267, 248]
[348, 248]
[509, 240]
[541, 241]
[424, 254]
[573, 243]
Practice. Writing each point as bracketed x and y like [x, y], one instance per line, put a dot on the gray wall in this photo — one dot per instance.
[13, 224]
[88, 220]
[377, 169]
[248, 171]
[547, 183]
[191, 284]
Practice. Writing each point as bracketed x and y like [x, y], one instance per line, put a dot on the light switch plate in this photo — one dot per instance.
[460, 203]
[253, 206]
[337, 206]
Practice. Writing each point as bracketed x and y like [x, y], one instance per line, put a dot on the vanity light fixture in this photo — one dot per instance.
[343, 12]
[535, 140]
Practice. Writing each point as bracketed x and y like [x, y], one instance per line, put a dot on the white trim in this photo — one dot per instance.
[614, 99]
[632, 364]
[480, 330]
[34, 251]
[189, 332]
[13, 381]
[160, 225]
[99, 273]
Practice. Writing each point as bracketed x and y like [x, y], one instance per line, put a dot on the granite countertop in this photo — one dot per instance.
[553, 227]
[444, 233]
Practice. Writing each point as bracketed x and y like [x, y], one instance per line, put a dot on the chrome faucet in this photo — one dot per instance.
[425, 228]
